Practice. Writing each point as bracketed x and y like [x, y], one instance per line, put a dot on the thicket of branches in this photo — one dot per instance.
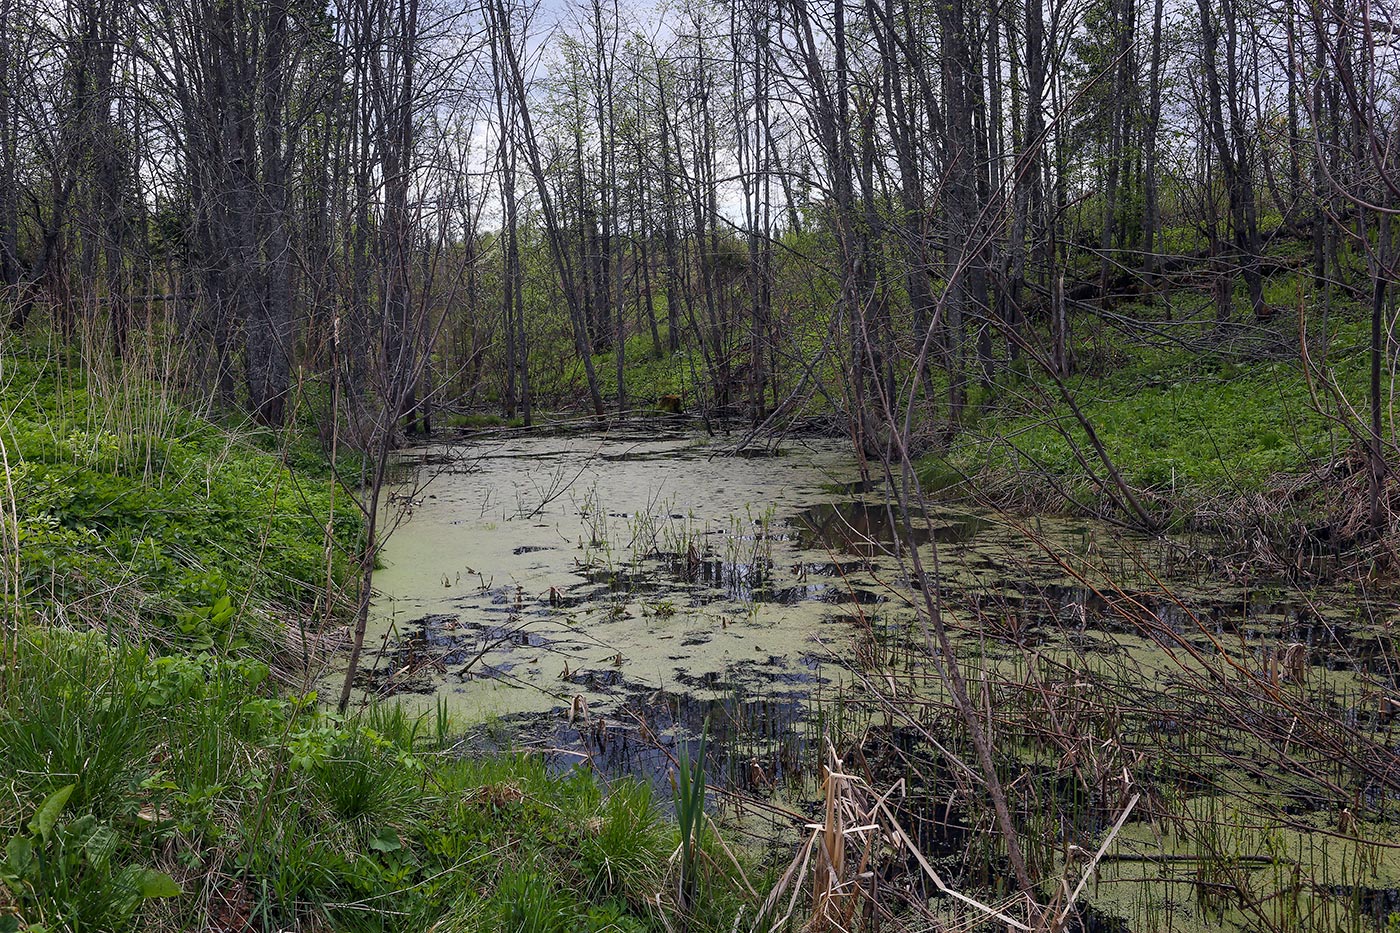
[410, 204]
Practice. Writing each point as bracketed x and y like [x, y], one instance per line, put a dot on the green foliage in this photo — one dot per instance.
[64, 875]
[149, 766]
[647, 376]
[78, 728]
[476, 421]
[1185, 424]
[690, 815]
[182, 527]
[364, 777]
[203, 779]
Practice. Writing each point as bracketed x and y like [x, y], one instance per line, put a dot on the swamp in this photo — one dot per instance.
[699, 466]
[611, 599]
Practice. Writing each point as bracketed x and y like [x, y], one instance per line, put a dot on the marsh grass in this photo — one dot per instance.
[1177, 767]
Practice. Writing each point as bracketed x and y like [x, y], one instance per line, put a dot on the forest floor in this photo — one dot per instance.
[166, 765]
[1225, 430]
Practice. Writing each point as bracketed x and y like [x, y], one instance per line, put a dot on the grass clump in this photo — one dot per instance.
[191, 780]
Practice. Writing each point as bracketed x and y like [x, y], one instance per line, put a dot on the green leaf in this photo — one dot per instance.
[47, 814]
[99, 846]
[9, 923]
[154, 884]
[385, 840]
[221, 611]
[19, 854]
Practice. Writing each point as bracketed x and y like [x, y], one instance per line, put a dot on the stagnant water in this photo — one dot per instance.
[605, 597]
[534, 571]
